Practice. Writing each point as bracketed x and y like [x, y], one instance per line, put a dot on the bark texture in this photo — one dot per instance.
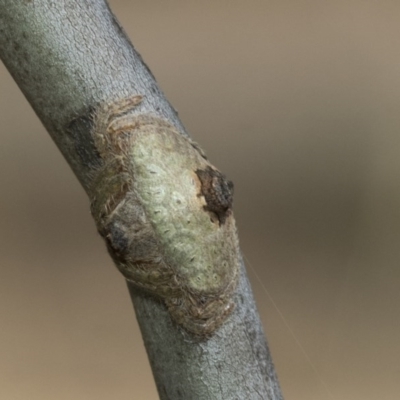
[67, 56]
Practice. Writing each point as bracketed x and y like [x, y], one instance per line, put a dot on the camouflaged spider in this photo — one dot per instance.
[166, 215]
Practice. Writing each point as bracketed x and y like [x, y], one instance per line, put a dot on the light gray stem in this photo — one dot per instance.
[67, 56]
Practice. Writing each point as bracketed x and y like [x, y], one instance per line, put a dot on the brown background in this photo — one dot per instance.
[298, 103]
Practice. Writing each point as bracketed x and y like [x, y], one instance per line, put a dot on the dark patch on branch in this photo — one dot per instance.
[83, 143]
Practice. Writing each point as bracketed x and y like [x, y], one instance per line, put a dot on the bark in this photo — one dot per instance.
[67, 56]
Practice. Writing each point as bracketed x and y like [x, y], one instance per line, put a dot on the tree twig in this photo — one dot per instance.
[67, 56]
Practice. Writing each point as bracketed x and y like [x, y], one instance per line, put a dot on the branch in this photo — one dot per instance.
[67, 58]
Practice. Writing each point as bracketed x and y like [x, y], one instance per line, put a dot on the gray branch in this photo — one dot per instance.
[67, 56]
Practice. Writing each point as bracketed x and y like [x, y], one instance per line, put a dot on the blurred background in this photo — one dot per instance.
[298, 103]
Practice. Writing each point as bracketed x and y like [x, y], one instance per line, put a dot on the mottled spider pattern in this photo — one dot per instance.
[166, 215]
